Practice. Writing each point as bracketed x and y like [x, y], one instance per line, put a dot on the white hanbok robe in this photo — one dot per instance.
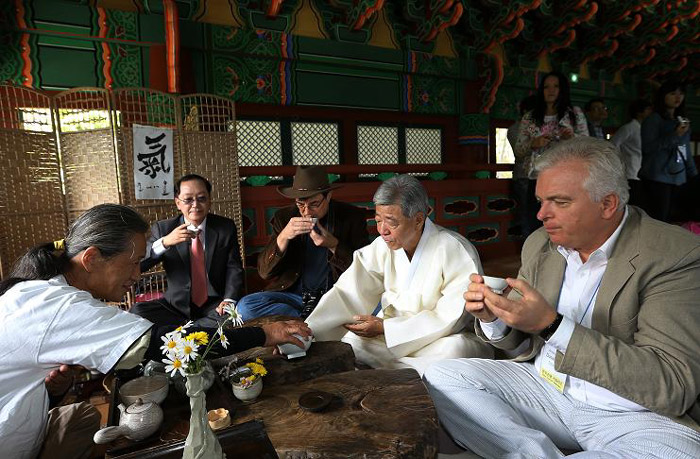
[43, 324]
[421, 302]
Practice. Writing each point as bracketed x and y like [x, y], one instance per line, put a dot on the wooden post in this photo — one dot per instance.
[172, 45]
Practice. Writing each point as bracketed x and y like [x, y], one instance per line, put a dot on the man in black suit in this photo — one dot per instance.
[201, 258]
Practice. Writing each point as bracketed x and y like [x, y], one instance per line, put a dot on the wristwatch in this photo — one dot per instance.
[549, 330]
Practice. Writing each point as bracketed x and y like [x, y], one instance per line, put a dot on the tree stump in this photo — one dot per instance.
[322, 358]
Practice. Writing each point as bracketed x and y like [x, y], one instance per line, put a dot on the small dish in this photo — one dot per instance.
[315, 401]
[218, 419]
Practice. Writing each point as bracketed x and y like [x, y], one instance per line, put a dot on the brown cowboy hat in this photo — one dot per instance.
[308, 181]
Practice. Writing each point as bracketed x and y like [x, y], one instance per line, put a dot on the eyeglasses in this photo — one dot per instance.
[301, 205]
[190, 201]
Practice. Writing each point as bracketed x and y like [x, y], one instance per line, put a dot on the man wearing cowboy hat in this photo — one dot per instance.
[312, 243]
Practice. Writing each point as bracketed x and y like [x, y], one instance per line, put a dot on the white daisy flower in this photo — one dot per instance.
[188, 350]
[170, 344]
[182, 328]
[174, 365]
[224, 340]
[232, 310]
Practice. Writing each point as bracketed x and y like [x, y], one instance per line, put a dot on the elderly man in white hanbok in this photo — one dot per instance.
[418, 272]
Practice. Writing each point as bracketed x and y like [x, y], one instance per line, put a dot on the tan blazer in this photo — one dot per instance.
[644, 340]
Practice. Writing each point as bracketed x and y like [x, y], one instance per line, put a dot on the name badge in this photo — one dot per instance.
[547, 371]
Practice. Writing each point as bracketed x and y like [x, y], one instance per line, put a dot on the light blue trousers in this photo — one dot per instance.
[262, 304]
[503, 409]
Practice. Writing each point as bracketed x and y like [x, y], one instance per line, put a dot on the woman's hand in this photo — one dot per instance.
[566, 133]
[682, 129]
[539, 142]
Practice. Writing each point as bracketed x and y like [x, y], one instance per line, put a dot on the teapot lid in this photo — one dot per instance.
[139, 407]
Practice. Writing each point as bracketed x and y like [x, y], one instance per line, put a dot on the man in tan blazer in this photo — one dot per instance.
[603, 321]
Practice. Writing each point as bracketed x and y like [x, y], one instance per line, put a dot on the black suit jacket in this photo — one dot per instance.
[223, 261]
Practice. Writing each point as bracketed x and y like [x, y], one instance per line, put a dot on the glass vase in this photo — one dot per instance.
[201, 443]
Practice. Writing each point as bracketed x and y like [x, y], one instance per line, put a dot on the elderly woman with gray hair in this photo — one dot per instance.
[417, 271]
[51, 314]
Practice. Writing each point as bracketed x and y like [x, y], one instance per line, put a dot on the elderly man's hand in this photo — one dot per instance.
[323, 238]
[530, 314]
[367, 326]
[474, 299]
[283, 332]
[295, 227]
[59, 381]
[178, 235]
[221, 308]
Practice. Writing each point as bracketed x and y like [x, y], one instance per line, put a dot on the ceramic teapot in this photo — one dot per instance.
[138, 421]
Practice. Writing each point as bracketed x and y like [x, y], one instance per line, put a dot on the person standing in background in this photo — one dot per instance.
[596, 113]
[521, 181]
[667, 162]
[629, 140]
[553, 119]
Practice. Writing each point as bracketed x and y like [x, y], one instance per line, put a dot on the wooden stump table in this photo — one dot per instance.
[374, 414]
[322, 358]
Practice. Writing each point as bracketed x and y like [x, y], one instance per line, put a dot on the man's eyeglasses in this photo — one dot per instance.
[190, 201]
[301, 205]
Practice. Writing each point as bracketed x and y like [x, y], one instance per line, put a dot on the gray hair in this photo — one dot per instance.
[606, 172]
[108, 227]
[405, 191]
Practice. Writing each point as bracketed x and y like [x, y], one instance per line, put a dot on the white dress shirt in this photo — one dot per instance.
[576, 301]
[629, 140]
[158, 249]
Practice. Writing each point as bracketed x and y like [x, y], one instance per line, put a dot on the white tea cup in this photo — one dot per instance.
[292, 351]
[496, 284]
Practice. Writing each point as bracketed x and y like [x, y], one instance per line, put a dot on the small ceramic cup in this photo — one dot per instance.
[496, 284]
[292, 351]
[218, 419]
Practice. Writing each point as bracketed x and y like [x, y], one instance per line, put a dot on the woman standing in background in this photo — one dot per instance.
[553, 119]
[667, 162]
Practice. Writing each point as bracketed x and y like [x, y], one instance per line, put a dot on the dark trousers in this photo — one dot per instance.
[160, 312]
[658, 199]
[524, 194]
[636, 193]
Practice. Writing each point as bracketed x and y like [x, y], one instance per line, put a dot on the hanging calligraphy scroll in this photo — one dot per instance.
[153, 162]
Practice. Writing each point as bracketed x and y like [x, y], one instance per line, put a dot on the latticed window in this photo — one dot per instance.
[377, 145]
[398, 145]
[315, 143]
[259, 143]
[423, 146]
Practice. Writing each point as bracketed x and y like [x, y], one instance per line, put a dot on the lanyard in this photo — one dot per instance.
[591, 300]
